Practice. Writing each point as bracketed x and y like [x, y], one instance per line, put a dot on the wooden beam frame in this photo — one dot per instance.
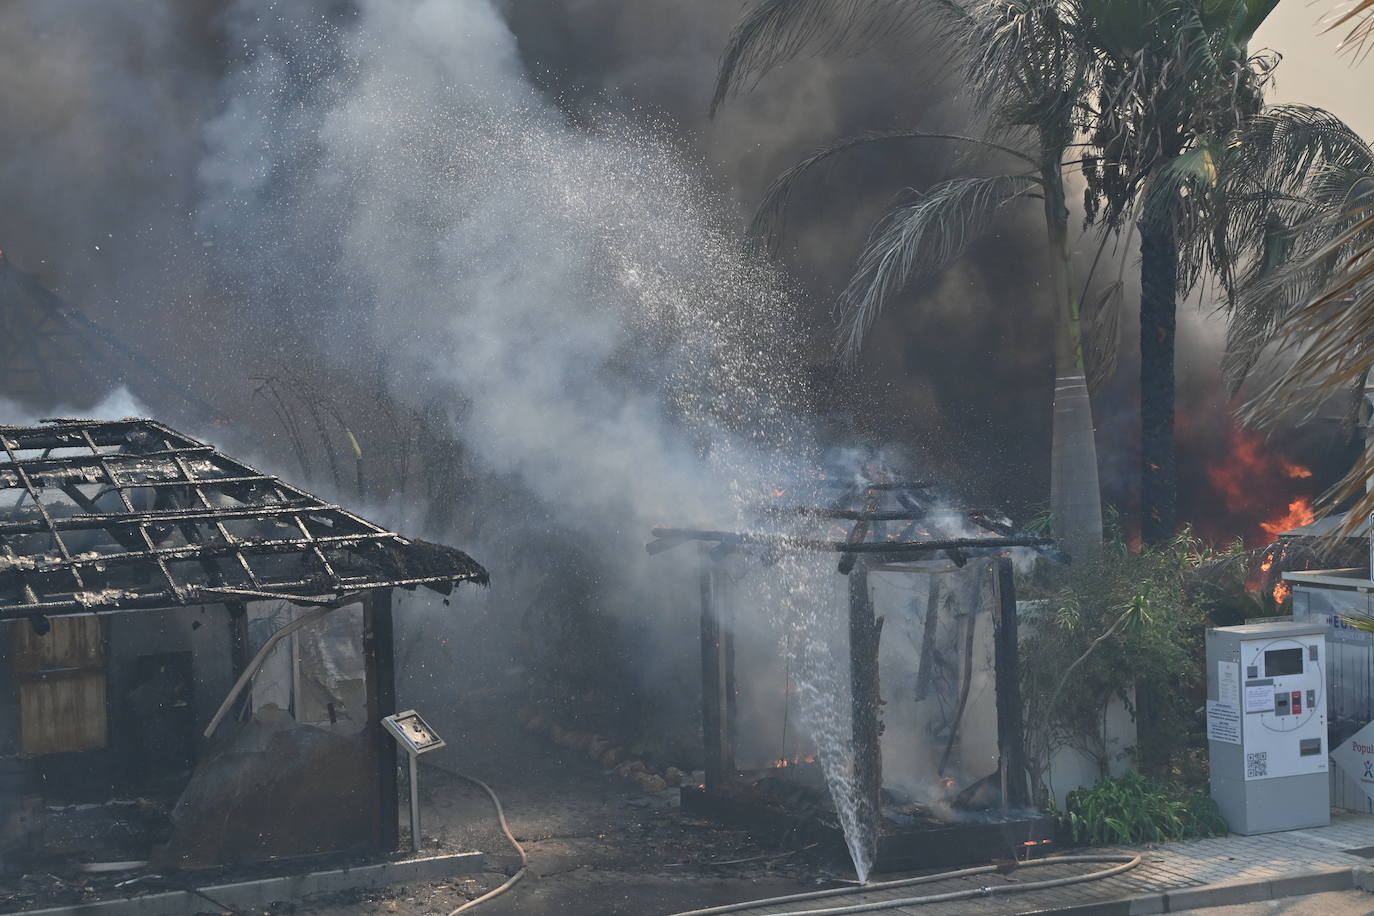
[718, 700]
[1011, 744]
[380, 666]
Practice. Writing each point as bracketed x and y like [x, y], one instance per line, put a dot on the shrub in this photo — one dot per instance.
[1131, 809]
[1125, 625]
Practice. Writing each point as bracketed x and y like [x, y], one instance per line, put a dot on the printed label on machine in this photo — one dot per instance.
[1259, 697]
[1223, 722]
[1228, 683]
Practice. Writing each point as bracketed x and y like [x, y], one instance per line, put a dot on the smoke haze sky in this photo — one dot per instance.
[113, 173]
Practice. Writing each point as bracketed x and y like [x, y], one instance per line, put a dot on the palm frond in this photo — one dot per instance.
[917, 240]
[1359, 24]
[1295, 177]
[1329, 341]
[1282, 147]
[774, 32]
[1101, 327]
[1028, 62]
[771, 215]
[1102, 335]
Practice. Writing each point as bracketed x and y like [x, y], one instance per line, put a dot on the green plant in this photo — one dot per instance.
[1126, 627]
[1131, 809]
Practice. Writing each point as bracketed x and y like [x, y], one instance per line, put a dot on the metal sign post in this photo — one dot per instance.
[415, 737]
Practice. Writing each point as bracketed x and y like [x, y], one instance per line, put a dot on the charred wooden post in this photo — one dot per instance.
[1010, 731]
[238, 636]
[717, 681]
[380, 674]
[865, 632]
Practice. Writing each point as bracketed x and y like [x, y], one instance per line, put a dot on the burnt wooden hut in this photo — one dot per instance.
[879, 530]
[196, 655]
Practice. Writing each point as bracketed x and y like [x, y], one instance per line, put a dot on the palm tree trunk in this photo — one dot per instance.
[1158, 301]
[1075, 499]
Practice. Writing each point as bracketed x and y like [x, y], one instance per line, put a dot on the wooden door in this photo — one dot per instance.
[61, 680]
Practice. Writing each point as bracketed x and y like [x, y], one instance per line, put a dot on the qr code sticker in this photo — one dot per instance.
[1257, 765]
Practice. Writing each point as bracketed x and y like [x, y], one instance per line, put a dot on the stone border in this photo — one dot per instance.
[271, 890]
[1232, 892]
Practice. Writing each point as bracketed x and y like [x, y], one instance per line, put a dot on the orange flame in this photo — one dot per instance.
[799, 758]
[1296, 471]
[1281, 592]
[1299, 513]
[1251, 478]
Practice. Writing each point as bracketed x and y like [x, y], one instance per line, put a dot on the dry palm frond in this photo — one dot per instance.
[1330, 340]
[1358, 22]
[916, 240]
[1291, 176]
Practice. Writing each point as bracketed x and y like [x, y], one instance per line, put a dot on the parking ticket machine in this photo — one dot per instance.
[1266, 725]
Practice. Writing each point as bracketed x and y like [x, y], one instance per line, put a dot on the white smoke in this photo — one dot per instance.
[116, 405]
[572, 294]
[569, 293]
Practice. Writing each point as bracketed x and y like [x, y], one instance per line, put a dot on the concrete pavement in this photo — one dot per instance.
[1171, 877]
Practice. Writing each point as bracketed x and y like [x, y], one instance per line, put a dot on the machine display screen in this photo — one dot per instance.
[1278, 662]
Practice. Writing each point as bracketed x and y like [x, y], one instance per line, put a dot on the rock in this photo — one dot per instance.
[630, 767]
[651, 782]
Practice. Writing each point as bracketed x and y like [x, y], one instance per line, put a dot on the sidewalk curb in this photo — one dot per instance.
[1232, 892]
[266, 891]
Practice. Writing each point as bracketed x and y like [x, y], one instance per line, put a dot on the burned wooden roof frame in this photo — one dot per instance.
[174, 521]
[897, 547]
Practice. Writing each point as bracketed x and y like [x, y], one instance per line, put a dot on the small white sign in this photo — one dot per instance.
[1223, 722]
[1228, 683]
[1356, 759]
[1259, 699]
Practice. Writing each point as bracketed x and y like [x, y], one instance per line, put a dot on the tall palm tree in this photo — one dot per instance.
[1176, 80]
[1027, 62]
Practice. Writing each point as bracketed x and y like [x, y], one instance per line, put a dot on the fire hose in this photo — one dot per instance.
[1123, 863]
[505, 828]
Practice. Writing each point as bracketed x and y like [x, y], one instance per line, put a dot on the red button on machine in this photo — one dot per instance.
[1297, 702]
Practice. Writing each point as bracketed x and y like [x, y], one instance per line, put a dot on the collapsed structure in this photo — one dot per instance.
[934, 718]
[248, 692]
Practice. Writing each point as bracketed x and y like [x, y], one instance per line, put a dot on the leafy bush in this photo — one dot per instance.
[1125, 625]
[1131, 809]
